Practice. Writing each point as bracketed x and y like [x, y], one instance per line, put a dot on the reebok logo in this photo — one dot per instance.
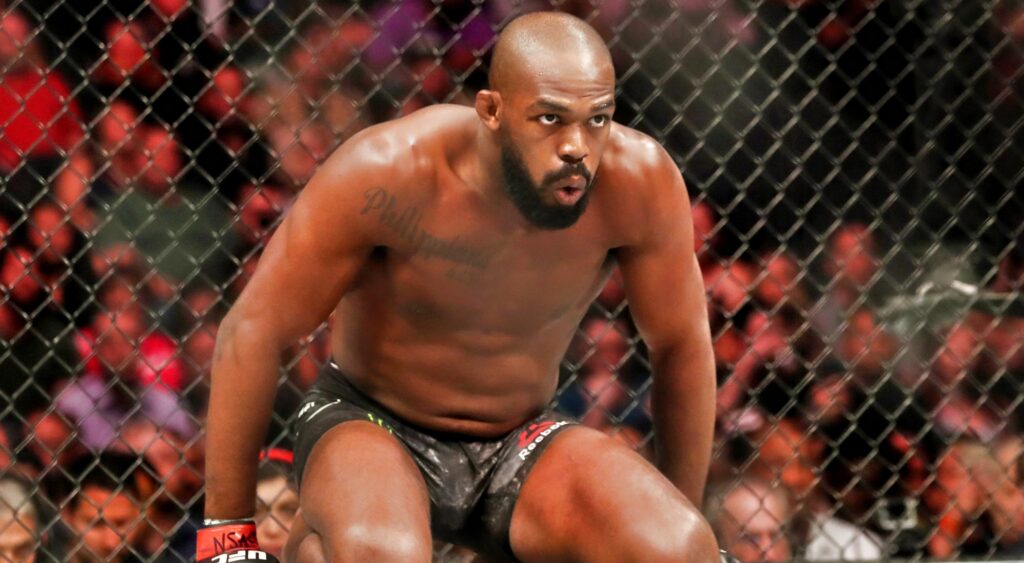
[534, 434]
[531, 432]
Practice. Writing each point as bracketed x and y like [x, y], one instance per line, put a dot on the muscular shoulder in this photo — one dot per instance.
[403, 153]
[641, 149]
[640, 183]
[396, 161]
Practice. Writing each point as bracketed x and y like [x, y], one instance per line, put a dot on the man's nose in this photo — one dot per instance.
[573, 147]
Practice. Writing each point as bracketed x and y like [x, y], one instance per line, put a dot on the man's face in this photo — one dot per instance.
[787, 454]
[19, 274]
[851, 255]
[554, 127]
[752, 526]
[107, 522]
[161, 160]
[17, 539]
[276, 506]
[50, 232]
[118, 335]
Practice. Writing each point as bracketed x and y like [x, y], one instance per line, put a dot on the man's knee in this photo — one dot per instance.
[365, 542]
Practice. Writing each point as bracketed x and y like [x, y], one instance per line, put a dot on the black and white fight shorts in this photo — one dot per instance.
[473, 483]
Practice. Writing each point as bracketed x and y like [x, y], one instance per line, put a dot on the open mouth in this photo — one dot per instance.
[570, 190]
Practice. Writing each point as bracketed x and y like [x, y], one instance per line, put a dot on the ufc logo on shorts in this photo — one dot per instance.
[244, 555]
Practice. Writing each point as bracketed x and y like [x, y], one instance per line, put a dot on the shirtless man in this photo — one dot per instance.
[459, 249]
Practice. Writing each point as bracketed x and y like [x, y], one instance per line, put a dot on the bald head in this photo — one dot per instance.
[546, 41]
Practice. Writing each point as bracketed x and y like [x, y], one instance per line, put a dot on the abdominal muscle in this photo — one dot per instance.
[449, 382]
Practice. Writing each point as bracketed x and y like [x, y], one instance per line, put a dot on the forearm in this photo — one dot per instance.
[683, 400]
[245, 371]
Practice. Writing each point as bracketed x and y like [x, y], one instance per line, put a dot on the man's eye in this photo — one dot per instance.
[549, 119]
[599, 120]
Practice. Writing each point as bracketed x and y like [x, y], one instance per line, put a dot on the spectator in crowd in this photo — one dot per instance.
[866, 346]
[787, 360]
[36, 350]
[64, 260]
[978, 371]
[41, 121]
[173, 227]
[136, 369]
[781, 285]
[298, 152]
[604, 394]
[50, 441]
[306, 110]
[324, 75]
[751, 519]
[20, 529]
[277, 500]
[116, 139]
[790, 453]
[259, 210]
[413, 26]
[174, 513]
[850, 268]
[976, 504]
[729, 310]
[727, 285]
[103, 508]
[220, 134]
[129, 65]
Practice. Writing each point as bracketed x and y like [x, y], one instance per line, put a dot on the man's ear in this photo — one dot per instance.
[489, 107]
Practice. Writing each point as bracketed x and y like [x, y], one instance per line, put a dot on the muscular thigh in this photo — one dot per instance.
[361, 488]
[591, 498]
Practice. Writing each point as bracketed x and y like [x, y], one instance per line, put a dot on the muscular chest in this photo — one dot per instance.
[459, 269]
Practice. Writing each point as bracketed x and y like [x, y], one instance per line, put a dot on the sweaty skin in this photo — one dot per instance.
[450, 308]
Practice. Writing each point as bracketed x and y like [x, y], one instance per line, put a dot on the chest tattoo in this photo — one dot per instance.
[404, 221]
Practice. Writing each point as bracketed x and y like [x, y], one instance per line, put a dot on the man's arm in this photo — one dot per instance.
[666, 297]
[310, 262]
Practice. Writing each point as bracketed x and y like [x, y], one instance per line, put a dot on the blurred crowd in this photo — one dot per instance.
[149, 149]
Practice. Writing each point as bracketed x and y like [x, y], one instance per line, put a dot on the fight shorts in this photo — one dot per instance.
[473, 483]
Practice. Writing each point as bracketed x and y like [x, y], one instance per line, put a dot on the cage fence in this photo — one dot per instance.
[854, 168]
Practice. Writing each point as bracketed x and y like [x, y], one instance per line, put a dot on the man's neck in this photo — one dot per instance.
[484, 171]
[480, 170]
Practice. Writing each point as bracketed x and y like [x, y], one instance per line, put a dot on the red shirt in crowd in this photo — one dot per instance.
[158, 360]
[37, 117]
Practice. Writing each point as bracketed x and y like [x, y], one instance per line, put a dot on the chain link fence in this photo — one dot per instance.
[855, 168]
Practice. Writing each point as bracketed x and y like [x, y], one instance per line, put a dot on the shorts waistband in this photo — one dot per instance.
[332, 380]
